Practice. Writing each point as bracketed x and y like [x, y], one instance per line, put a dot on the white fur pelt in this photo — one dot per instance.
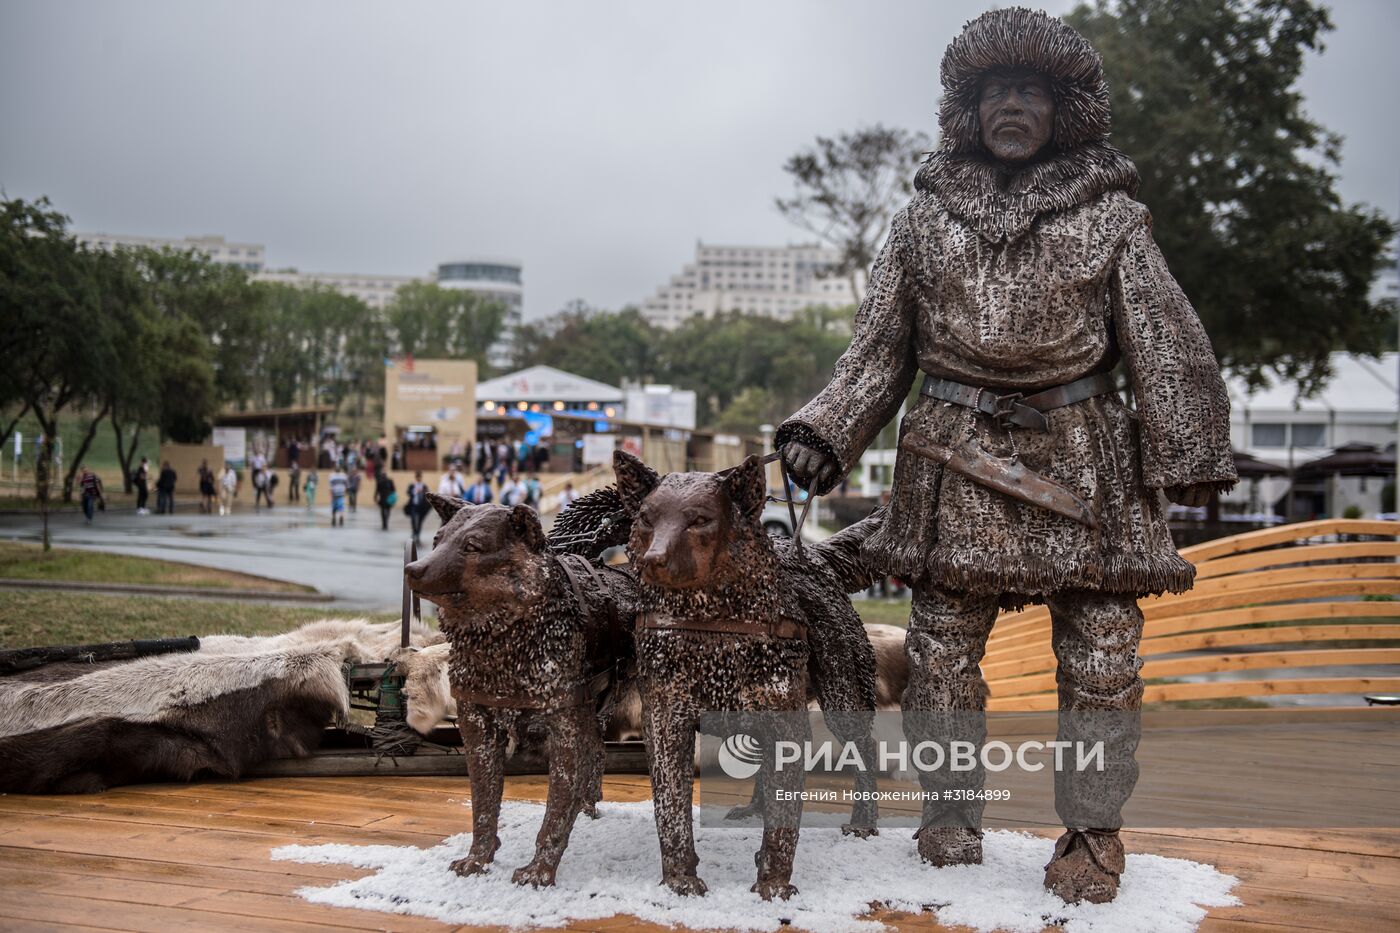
[429, 695]
[146, 689]
[426, 691]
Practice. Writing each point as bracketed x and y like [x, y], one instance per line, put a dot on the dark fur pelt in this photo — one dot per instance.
[221, 738]
[234, 703]
[213, 716]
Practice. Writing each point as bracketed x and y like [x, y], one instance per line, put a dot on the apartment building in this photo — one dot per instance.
[775, 281]
[247, 256]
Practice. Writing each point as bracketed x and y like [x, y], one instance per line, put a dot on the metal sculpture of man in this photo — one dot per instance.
[1016, 279]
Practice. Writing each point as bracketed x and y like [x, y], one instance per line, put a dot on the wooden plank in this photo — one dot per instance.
[1269, 578]
[61, 909]
[1282, 534]
[1216, 663]
[1161, 693]
[134, 867]
[230, 821]
[1289, 877]
[1278, 557]
[1158, 693]
[1196, 606]
[1282, 634]
[1037, 656]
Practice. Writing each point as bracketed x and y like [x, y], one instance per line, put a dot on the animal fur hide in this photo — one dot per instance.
[80, 728]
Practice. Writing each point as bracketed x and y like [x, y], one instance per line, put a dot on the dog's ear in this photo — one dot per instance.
[747, 487]
[446, 506]
[635, 480]
[526, 524]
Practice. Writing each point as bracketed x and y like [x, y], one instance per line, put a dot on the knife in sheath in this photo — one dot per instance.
[1006, 476]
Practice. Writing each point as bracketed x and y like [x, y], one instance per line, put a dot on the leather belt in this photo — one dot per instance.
[783, 628]
[1017, 408]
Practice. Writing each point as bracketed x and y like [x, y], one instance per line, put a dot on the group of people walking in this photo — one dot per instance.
[501, 481]
[165, 487]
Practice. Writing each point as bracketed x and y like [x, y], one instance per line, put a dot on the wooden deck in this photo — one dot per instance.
[195, 857]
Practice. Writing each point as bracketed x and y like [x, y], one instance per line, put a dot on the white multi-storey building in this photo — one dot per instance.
[497, 280]
[248, 256]
[374, 290]
[776, 281]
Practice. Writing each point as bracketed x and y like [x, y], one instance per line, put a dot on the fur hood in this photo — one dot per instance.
[1021, 38]
[1081, 166]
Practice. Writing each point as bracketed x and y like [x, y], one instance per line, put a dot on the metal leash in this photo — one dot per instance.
[788, 487]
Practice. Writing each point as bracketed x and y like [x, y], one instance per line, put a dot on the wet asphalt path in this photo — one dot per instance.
[359, 565]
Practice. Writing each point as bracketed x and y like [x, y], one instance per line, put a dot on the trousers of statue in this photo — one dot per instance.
[1095, 639]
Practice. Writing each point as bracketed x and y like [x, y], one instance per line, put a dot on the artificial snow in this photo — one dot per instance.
[612, 867]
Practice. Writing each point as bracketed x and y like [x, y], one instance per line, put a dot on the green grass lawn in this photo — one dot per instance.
[883, 611]
[21, 561]
[45, 618]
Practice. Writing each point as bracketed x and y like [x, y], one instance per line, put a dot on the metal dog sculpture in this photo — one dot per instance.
[726, 620]
[536, 639]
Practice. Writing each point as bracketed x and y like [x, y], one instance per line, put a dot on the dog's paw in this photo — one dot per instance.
[537, 874]
[860, 832]
[768, 890]
[744, 812]
[686, 885]
[471, 865]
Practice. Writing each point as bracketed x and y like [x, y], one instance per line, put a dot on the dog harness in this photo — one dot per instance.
[783, 628]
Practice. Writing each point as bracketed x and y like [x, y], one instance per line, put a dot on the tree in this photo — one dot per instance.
[446, 323]
[118, 308]
[56, 340]
[846, 189]
[604, 345]
[1240, 180]
[722, 357]
[224, 305]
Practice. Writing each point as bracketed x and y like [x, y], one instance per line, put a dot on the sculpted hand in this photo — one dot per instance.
[809, 467]
[1194, 495]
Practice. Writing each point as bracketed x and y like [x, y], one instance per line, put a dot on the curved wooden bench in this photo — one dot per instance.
[1248, 587]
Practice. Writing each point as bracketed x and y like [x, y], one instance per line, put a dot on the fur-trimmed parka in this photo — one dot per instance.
[1022, 282]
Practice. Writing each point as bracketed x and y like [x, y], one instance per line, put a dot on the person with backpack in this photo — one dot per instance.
[92, 493]
[206, 488]
[352, 485]
[165, 490]
[339, 485]
[384, 496]
[141, 479]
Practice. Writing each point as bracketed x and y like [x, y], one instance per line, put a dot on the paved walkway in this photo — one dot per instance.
[359, 566]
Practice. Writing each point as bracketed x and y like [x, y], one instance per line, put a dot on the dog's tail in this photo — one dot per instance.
[591, 525]
[841, 552]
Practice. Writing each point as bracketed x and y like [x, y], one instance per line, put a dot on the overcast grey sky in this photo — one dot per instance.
[595, 141]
